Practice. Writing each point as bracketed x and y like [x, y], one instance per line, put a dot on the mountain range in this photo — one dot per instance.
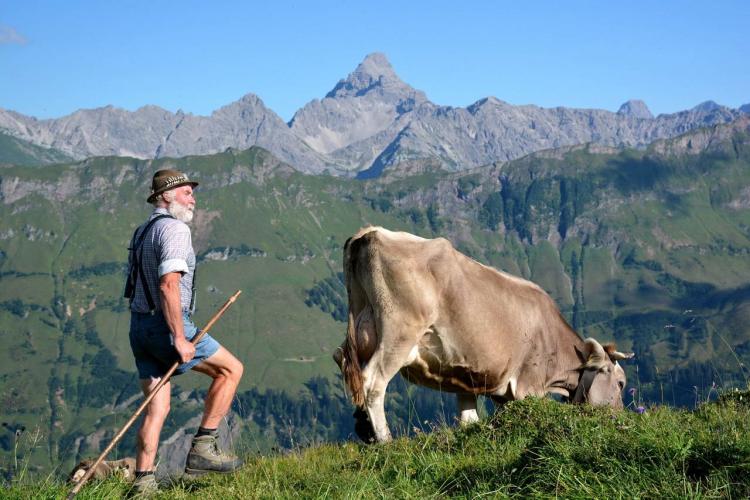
[368, 122]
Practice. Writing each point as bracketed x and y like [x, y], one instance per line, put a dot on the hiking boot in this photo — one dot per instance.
[144, 487]
[205, 456]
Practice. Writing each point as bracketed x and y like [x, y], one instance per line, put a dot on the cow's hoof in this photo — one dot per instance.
[363, 426]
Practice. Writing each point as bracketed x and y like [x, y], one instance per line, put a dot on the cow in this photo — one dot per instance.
[420, 307]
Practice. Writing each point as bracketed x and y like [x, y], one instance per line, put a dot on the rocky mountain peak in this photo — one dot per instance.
[707, 107]
[374, 72]
[150, 108]
[249, 103]
[376, 64]
[745, 108]
[635, 108]
[485, 102]
[250, 98]
[371, 104]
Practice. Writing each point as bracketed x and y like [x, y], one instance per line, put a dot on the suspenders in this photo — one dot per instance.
[136, 267]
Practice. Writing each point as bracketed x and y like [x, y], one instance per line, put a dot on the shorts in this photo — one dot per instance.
[153, 345]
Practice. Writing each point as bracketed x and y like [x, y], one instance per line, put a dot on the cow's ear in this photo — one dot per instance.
[596, 356]
[581, 355]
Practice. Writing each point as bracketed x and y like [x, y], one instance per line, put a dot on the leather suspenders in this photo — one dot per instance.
[136, 265]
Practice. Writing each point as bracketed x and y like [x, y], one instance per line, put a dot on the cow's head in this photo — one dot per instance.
[602, 379]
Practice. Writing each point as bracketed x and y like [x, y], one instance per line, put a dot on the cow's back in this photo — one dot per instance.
[474, 326]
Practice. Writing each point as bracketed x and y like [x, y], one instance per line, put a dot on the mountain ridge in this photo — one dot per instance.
[368, 122]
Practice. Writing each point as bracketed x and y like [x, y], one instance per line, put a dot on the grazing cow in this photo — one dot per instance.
[447, 322]
[124, 467]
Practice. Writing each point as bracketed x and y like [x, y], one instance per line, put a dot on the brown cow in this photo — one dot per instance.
[445, 321]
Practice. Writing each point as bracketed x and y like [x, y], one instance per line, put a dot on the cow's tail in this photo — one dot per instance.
[350, 366]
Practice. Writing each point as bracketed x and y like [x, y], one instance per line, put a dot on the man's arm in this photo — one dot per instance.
[169, 291]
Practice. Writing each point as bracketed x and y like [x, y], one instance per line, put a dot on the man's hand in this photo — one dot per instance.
[185, 349]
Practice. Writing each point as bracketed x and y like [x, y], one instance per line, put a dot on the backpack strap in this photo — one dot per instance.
[136, 264]
[192, 291]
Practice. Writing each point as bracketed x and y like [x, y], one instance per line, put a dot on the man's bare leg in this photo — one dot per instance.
[153, 420]
[226, 372]
[204, 455]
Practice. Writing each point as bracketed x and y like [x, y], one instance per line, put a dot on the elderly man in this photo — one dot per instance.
[161, 289]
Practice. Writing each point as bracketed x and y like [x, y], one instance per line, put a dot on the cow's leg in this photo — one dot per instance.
[467, 408]
[383, 366]
[363, 426]
[375, 383]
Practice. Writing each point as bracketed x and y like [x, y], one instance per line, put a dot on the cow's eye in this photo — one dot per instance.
[621, 383]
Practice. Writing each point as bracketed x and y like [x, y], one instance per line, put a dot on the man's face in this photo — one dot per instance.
[182, 205]
[184, 196]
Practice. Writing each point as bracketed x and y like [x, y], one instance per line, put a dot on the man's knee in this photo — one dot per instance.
[158, 408]
[232, 367]
[158, 412]
[236, 370]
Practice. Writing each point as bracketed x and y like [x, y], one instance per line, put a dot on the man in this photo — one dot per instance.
[161, 288]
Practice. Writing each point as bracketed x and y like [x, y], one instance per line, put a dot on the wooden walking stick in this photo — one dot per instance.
[148, 399]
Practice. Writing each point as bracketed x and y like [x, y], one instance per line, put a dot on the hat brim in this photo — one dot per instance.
[153, 195]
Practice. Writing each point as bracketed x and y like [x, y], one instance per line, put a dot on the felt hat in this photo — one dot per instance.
[167, 179]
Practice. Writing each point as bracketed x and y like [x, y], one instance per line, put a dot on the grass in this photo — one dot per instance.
[533, 448]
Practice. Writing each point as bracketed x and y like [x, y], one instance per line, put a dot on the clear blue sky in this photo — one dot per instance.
[59, 56]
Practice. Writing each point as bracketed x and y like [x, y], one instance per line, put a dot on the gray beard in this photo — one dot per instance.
[182, 213]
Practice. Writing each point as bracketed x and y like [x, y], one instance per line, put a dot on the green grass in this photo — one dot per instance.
[533, 448]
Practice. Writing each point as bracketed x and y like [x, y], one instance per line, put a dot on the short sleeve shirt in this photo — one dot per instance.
[168, 248]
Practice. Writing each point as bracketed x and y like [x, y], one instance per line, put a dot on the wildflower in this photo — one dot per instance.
[632, 391]
[640, 410]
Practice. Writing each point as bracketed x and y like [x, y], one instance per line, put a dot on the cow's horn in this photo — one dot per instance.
[617, 355]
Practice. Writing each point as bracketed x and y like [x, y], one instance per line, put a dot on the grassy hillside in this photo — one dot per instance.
[14, 151]
[648, 248]
[535, 447]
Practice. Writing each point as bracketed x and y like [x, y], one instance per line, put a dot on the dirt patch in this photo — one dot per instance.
[301, 359]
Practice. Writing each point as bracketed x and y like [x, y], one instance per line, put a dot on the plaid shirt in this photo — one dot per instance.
[167, 248]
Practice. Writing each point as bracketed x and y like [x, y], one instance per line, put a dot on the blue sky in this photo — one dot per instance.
[56, 57]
